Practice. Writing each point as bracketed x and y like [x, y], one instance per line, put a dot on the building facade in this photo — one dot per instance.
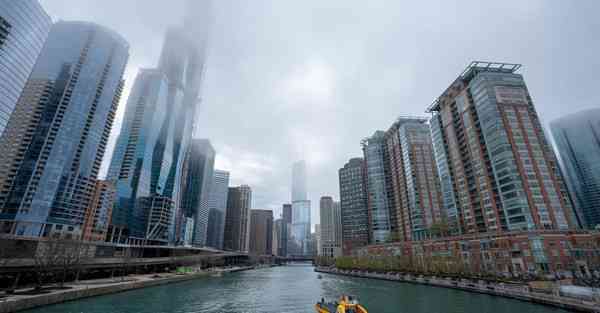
[353, 205]
[217, 207]
[416, 209]
[131, 168]
[261, 232]
[55, 140]
[577, 139]
[239, 201]
[544, 253]
[378, 187]
[498, 172]
[97, 218]
[198, 172]
[24, 26]
[281, 233]
[330, 227]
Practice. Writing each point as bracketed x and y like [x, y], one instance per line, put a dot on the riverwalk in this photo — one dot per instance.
[21, 300]
[519, 292]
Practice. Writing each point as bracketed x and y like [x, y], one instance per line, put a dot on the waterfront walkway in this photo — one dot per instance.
[519, 292]
[24, 299]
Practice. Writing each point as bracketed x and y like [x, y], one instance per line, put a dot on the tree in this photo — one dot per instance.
[46, 259]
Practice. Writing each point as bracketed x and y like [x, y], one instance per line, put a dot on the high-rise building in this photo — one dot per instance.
[300, 230]
[261, 232]
[299, 183]
[281, 233]
[132, 168]
[318, 241]
[217, 207]
[330, 228]
[415, 211]
[197, 180]
[353, 205]
[97, 217]
[175, 85]
[378, 187]
[24, 26]
[239, 201]
[577, 138]
[287, 213]
[497, 170]
[55, 140]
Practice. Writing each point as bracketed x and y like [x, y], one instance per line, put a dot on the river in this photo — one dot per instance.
[291, 289]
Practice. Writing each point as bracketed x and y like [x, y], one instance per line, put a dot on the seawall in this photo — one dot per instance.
[86, 290]
[496, 289]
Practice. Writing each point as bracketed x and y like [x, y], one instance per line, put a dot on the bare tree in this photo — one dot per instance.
[46, 259]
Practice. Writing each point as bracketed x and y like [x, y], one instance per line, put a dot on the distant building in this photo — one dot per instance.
[497, 170]
[300, 210]
[330, 228]
[416, 210]
[287, 213]
[97, 217]
[378, 187]
[197, 179]
[261, 232]
[239, 201]
[217, 207]
[577, 138]
[281, 233]
[318, 239]
[24, 26]
[353, 205]
[55, 140]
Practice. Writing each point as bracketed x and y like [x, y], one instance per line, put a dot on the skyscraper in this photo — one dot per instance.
[299, 185]
[132, 168]
[353, 205]
[24, 26]
[577, 138]
[497, 169]
[330, 227]
[237, 220]
[415, 212]
[300, 210]
[261, 232]
[378, 187]
[55, 140]
[217, 207]
[197, 180]
[281, 233]
[156, 215]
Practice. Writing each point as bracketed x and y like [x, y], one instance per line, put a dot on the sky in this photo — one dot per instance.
[288, 80]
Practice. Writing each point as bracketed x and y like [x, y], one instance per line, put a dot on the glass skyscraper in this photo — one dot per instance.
[300, 210]
[131, 166]
[24, 26]
[197, 180]
[378, 186]
[577, 138]
[498, 171]
[55, 140]
[237, 218]
[217, 207]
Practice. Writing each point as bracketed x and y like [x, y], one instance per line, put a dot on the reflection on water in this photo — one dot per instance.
[290, 289]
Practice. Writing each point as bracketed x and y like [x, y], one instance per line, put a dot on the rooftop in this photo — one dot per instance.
[473, 69]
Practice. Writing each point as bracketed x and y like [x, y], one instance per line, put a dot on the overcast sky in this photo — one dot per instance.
[289, 80]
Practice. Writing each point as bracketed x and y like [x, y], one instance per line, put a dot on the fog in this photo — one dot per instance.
[289, 80]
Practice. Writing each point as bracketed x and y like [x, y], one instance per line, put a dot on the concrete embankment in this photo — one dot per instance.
[519, 292]
[86, 289]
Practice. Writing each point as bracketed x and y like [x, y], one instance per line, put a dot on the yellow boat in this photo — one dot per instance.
[346, 304]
